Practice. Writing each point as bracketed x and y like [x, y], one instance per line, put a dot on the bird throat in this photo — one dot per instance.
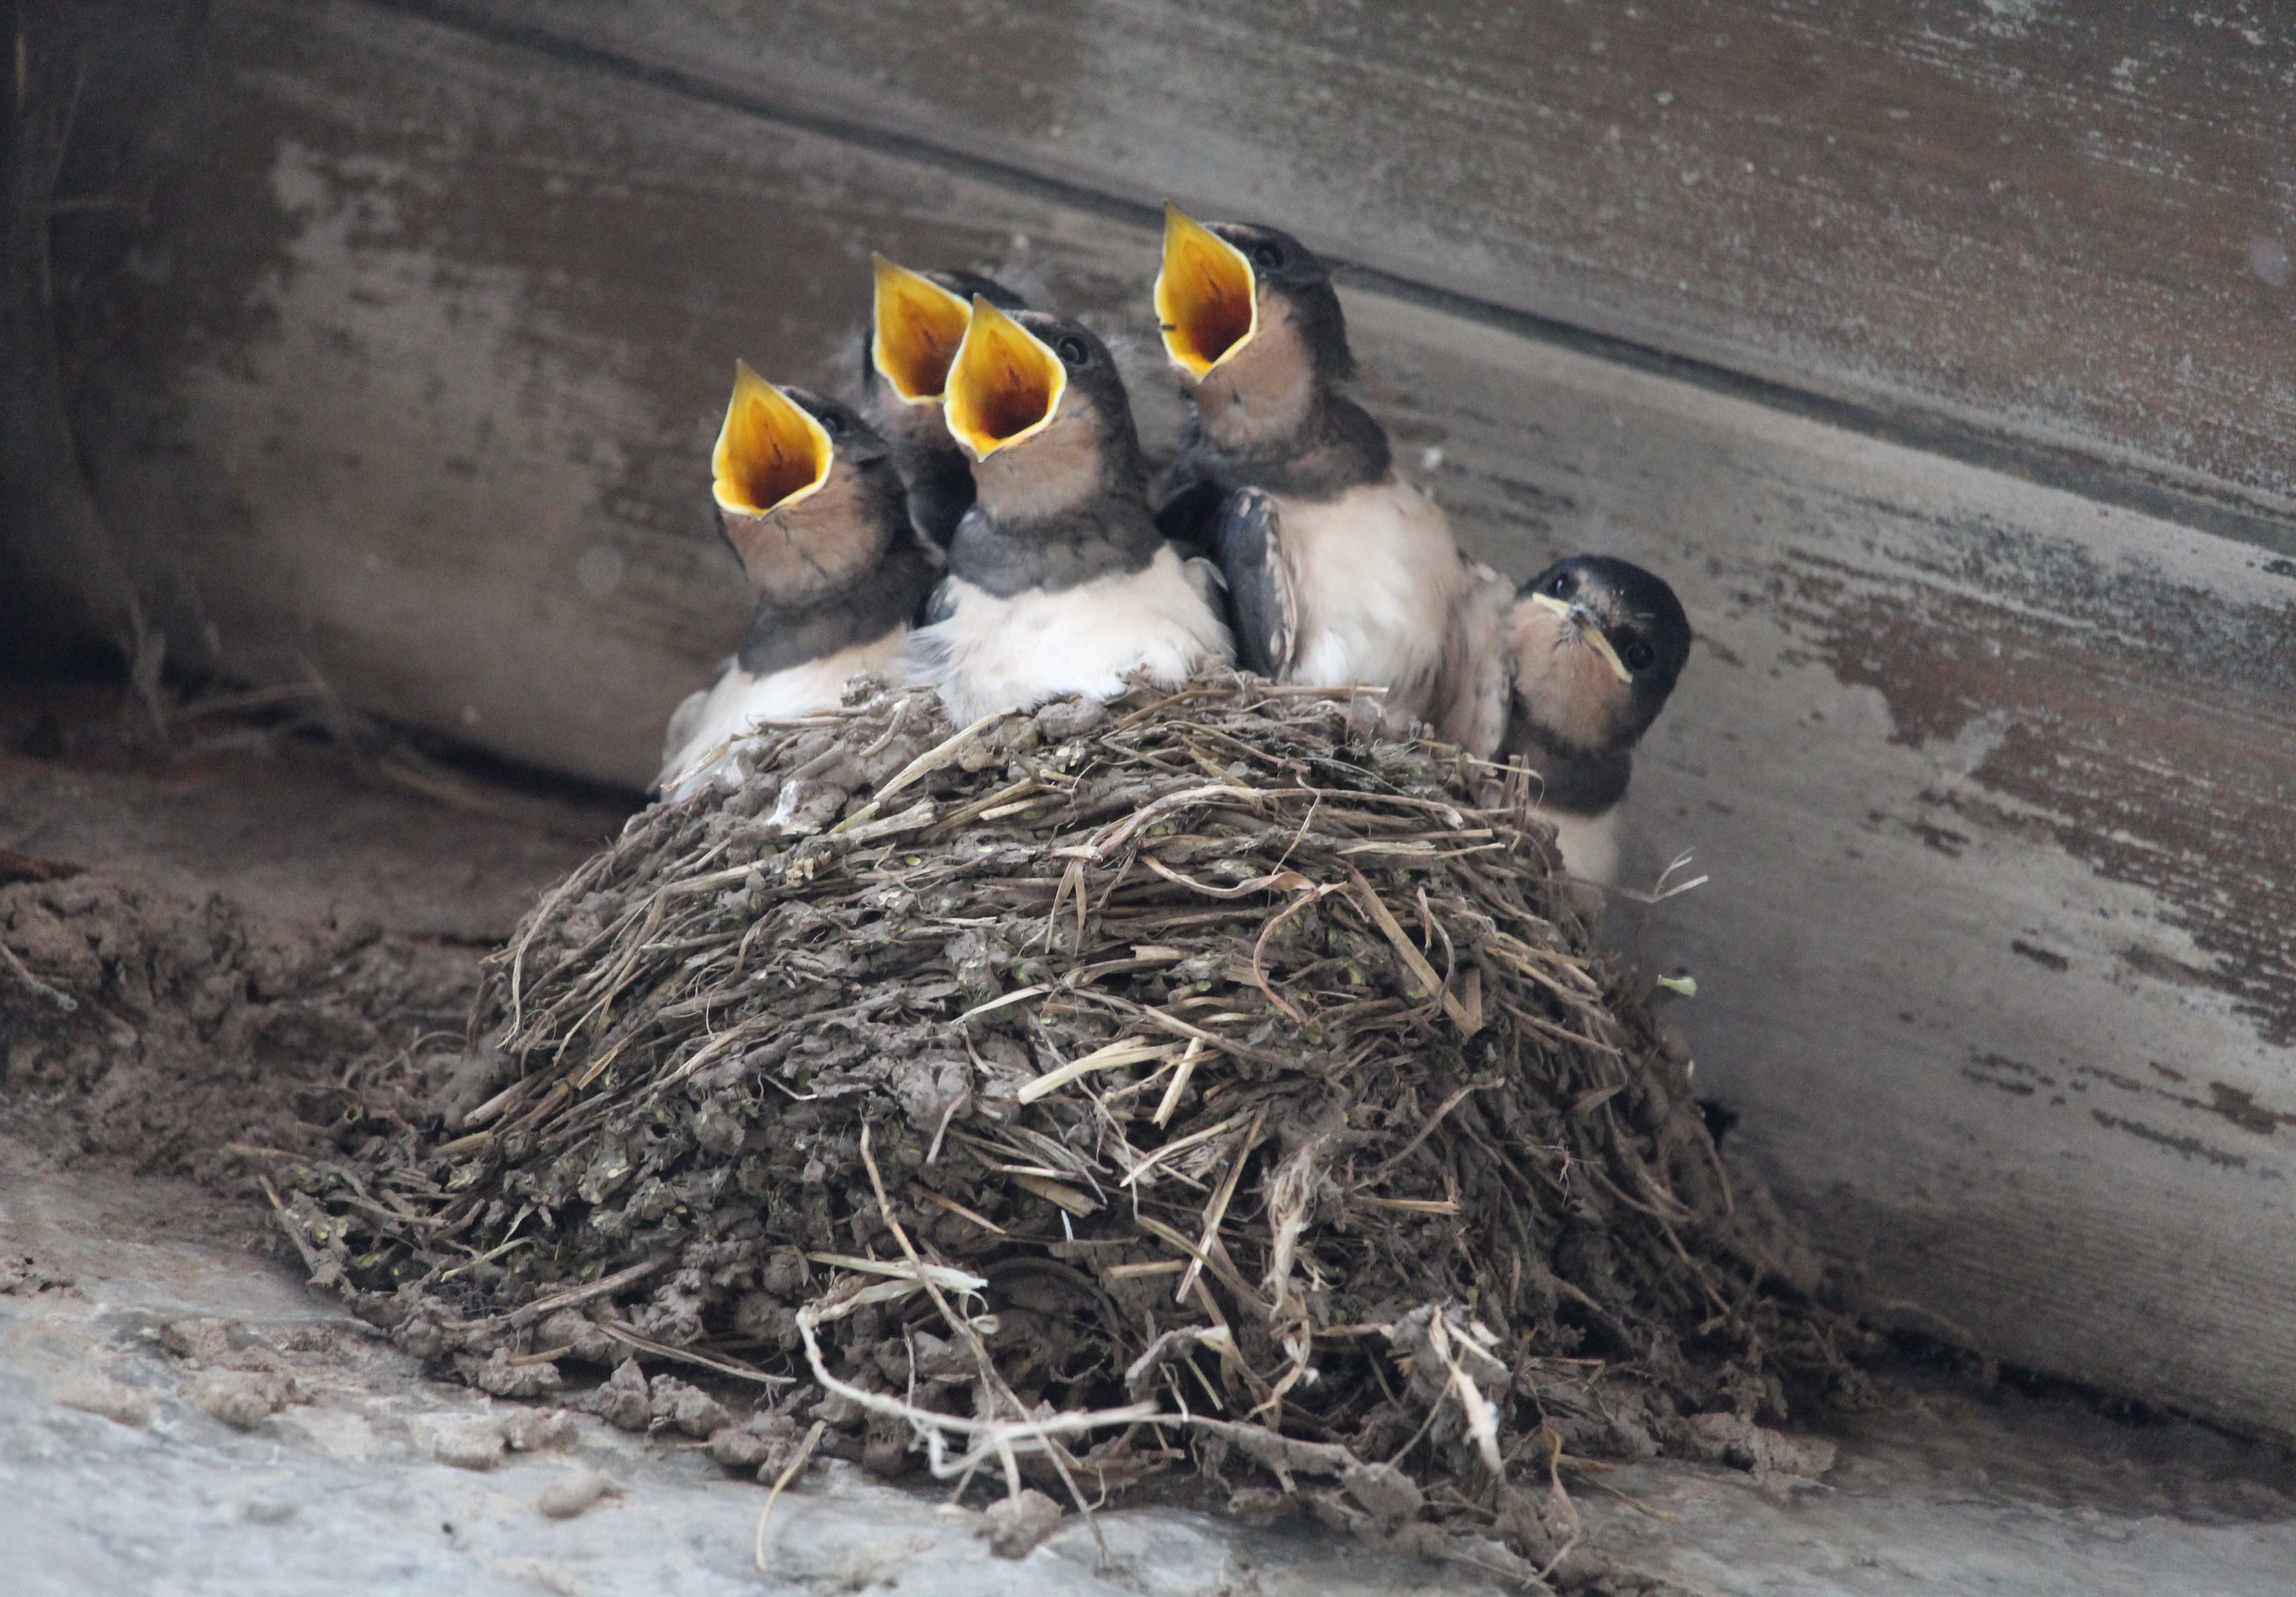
[1055, 512]
[1577, 781]
[817, 547]
[1264, 396]
[1053, 475]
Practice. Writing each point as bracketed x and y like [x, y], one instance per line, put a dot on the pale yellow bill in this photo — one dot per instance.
[771, 452]
[1005, 385]
[1207, 300]
[1590, 632]
[915, 331]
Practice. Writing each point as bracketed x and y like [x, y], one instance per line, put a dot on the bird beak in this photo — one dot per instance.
[1587, 624]
[1207, 300]
[771, 452]
[917, 327]
[1004, 386]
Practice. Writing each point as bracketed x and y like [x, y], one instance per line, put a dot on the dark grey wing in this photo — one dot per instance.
[1249, 553]
[1185, 497]
[1189, 518]
[939, 605]
[940, 491]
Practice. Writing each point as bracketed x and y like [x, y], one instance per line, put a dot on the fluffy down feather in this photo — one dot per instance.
[992, 653]
[706, 727]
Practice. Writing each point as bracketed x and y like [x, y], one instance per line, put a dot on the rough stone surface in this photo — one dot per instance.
[237, 1397]
[1015, 1526]
[96, 1394]
[531, 1430]
[569, 1495]
[468, 1444]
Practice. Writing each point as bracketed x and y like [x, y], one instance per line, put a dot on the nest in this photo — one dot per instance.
[1189, 1079]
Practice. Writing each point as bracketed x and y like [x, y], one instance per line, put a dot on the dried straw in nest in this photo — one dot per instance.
[1073, 1093]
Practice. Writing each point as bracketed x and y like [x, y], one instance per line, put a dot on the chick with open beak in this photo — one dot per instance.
[1339, 572]
[917, 321]
[1058, 580]
[807, 497]
[1584, 658]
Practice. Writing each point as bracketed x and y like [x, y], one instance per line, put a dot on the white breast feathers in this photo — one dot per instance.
[993, 654]
[1374, 574]
[1588, 844]
[706, 735]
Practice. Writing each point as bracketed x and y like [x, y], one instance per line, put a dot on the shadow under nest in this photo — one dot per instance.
[1193, 1079]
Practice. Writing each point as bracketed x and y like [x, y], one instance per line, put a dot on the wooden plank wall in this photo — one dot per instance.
[407, 375]
[2066, 224]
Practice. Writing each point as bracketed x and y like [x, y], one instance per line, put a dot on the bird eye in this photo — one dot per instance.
[1267, 256]
[1559, 585]
[1071, 350]
[832, 423]
[1637, 655]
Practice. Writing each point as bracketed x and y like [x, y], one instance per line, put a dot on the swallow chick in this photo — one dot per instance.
[1058, 580]
[917, 323]
[1589, 653]
[807, 496]
[1338, 571]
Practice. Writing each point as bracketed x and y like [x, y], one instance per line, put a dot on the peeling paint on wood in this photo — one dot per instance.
[2073, 222]
[2166, 761]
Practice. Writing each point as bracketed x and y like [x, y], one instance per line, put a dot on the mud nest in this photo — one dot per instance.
[1193, 1080]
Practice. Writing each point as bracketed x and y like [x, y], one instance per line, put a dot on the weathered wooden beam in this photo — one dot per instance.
[2070, 226]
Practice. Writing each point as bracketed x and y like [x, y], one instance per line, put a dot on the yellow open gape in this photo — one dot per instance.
[915, 331]
[1206, 297]
[1005, 385]
[771, 452]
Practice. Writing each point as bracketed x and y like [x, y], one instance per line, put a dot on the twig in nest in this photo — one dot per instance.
[1415, 961]
[1181, 1074]
[992, 1437]
[1260, 947]
[1217, 1209]
[55, 995]
[686, 1356]
[1482, 1418]
[604, 1287]
[965, 1329]
[1562, 1501]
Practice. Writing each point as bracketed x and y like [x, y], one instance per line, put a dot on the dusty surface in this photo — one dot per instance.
[140, 1317]
[1947, 1489]
[261, 934]
[285, 825]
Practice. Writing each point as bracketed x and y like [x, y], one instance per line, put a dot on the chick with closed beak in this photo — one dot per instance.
[1572, 668]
